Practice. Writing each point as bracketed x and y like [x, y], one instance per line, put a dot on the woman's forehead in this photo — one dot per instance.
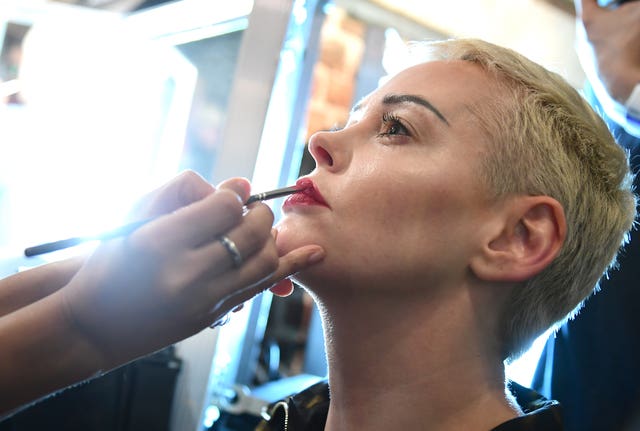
[450, 87]
[446, 82]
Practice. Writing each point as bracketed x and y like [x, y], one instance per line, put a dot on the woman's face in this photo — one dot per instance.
[403, 202]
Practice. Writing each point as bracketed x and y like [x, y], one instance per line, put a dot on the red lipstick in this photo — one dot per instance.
[307, 195]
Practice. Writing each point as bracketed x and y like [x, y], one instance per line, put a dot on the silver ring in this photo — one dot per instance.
[232, 249]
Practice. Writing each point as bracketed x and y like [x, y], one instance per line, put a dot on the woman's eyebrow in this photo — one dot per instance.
[396, 99]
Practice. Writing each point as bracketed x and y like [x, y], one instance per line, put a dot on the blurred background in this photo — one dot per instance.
[102, 100]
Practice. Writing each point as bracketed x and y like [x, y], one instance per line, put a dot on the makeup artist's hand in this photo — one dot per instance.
[614, 36]
[172, 277]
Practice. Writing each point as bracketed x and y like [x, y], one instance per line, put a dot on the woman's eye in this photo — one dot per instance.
[392, 125]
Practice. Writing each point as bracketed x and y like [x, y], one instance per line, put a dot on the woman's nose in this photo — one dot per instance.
[326, 150]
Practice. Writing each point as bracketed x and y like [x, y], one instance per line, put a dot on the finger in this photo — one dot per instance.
[192, 225]
[294, 262]
[192, 188]
[248, 238]
[257, 275]
[183, 189]
[236, 287]
[254, 231]
[240, 186]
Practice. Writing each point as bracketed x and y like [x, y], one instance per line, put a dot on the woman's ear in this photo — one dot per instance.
[532, 231]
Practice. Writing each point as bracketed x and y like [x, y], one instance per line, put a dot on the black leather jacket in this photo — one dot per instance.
[307, 411]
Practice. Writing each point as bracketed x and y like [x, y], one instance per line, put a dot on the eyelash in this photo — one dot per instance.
[389, 123]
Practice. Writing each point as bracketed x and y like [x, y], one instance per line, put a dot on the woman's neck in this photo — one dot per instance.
[410, 362]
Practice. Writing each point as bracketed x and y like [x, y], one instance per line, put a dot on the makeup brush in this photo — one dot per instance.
[129, 228]
[277, 193]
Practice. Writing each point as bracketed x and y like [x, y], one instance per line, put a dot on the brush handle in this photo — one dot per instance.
[71, 242]
[129, 228]
[271, 194]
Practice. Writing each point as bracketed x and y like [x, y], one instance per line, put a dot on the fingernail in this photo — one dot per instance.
[316, 256]
[282, 288]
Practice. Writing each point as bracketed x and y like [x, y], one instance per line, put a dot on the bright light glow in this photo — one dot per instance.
[300, 12]
[523, 369]
[511, 23]
[104, 123]
[275, 136]
[9, 88]
[183, 21]
[395, 54]
[211, 415]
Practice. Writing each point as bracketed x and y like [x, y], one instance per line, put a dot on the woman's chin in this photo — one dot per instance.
[292, 236]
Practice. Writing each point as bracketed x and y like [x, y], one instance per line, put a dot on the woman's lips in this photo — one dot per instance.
[307, 196]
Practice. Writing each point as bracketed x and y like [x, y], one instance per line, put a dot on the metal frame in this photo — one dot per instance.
[248, 105]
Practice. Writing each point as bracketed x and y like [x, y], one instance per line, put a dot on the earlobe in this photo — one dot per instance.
[531, 234]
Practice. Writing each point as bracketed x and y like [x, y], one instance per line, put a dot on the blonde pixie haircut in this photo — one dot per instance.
[544, 139]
